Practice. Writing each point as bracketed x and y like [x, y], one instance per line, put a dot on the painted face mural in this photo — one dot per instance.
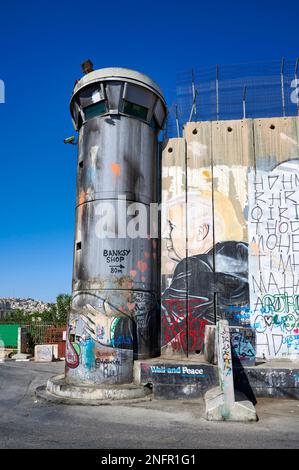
[212, 278]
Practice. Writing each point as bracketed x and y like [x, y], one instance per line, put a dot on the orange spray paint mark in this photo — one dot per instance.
[115, 167]
[133, 273]
[82, 197]
[142, 279]
[142, 266]
[146, 254]
[206, 173]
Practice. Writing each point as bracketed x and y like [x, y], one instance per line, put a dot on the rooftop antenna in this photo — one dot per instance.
[297, 83]
[244, 102]
[217, 92]
[282, 86]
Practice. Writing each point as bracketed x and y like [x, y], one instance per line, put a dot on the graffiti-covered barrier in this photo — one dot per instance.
[230, 238]
[191, 378]
[176, 379]
[242, 341]
[115, 312]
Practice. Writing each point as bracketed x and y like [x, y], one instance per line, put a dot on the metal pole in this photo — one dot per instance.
[217, 92]
[193, 105]
[225, 367]
[297, 83]
[282, 86]
[193, 91]
[177, 121]
[244, 102]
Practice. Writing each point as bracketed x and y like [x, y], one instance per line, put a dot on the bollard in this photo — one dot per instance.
[220, 402]
[225, 367]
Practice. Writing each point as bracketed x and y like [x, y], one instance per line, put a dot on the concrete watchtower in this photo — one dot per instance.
[118, 113]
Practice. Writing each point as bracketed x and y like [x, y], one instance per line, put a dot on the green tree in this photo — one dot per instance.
[17, 316]
[57, 313]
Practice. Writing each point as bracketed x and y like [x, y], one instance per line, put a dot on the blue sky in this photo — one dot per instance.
[42, 45]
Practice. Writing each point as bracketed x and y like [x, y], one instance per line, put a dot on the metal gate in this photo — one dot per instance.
[55, 336]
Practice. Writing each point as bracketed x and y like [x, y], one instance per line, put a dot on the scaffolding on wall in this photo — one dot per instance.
[250, 90]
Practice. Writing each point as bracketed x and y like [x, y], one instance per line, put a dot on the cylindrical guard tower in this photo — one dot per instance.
[118, 113]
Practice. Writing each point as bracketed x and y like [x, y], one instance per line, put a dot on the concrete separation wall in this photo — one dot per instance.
[178, 380]
[230, 234]
[190, 379]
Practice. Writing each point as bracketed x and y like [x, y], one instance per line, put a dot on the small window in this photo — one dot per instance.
[94, 110]
[135, 110]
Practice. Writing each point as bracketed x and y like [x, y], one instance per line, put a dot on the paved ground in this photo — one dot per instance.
[26, 423]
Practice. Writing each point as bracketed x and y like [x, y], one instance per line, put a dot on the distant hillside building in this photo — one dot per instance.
[8, 305]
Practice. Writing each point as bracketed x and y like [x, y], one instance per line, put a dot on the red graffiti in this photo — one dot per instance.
[182, 326]
[71, 356]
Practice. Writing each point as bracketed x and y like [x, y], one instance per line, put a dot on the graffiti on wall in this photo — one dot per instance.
[224, 353]
[176, 324]
[101, 340]
[204, 267]
[243, 345]
[273, 227]
[230, 235]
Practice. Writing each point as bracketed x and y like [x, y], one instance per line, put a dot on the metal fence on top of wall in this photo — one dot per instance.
[223, 92]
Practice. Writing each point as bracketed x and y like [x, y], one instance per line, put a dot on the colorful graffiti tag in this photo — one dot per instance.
[274, 258]
[230, 233]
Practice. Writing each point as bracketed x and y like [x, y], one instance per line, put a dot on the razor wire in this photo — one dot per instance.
[239, 91]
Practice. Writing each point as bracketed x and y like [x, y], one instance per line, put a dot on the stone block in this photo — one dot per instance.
[43, 353]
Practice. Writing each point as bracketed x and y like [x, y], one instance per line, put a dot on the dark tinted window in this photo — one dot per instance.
[135, 110]
[94, 110]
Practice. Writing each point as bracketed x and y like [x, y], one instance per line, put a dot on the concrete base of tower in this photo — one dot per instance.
[58, 390]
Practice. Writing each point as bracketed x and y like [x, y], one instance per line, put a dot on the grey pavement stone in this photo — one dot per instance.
[26, 422]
